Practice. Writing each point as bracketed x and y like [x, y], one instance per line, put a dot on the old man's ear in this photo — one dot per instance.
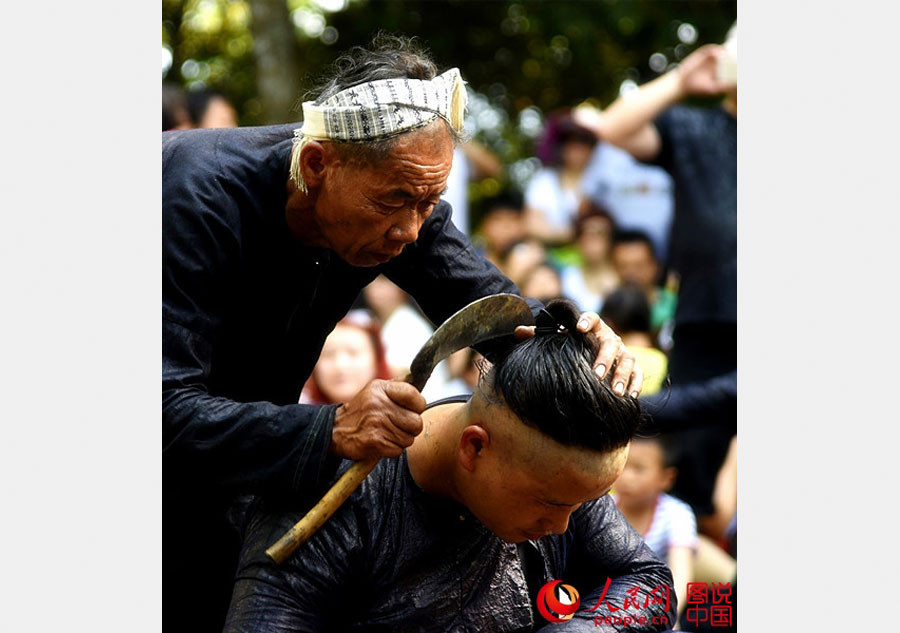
[314, 160]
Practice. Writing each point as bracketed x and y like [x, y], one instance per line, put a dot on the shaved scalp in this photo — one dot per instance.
[527, 447]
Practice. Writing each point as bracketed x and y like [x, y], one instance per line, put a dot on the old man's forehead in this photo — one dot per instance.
[411, 172]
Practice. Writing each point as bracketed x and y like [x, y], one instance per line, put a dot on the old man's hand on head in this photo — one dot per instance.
[612, 354]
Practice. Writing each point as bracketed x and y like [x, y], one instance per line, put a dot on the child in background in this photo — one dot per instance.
[627, 312]
[501, 226]
[667, 524]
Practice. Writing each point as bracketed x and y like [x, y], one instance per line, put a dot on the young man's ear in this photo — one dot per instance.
[472, 442]
[315, 159]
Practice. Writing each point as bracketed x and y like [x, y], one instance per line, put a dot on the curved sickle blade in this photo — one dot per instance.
[483, 319]
[486, 318]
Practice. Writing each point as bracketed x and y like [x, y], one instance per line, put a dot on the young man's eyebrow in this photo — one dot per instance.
[554, 502]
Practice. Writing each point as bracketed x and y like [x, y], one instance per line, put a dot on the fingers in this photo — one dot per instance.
[609, 341]
[380, 421]
[637, 382]
[390, 440]
[405, 395]
[523, 332]
[627, 375]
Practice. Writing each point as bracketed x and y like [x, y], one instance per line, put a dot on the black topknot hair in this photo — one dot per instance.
[548, 382]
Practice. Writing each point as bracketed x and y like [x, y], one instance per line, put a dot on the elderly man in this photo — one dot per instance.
[505, 492]
[267, 241]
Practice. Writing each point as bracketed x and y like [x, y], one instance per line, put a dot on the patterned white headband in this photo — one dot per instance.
[378, 110]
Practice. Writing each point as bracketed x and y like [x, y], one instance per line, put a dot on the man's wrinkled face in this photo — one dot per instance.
[530, 493]
[368, 214]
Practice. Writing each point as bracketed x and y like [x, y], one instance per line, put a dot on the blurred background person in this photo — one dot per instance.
[542, 282]
[471, 161]
[502, 224]
[351, 357]
[635, 262]
[627, 311]
[697, 146]
[175, 115]
[724, 518]
[211, 109]
[638, 196]
[198, 108]
[466, 367]
[591, 276]
[554, 194]
[404, 331]
[521, 257]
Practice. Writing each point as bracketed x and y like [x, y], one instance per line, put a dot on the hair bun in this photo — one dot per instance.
[558, 313]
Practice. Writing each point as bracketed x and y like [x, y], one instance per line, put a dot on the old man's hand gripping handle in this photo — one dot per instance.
[486, 318]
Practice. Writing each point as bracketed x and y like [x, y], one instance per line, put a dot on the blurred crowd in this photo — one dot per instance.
[633, 216]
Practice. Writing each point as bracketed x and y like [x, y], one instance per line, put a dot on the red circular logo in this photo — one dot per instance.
[549, 604]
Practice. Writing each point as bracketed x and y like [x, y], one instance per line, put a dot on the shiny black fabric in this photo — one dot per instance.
[246, 309]
[394, 558]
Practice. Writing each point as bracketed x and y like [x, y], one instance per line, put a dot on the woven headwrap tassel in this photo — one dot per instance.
[458, 105]
[300, 140]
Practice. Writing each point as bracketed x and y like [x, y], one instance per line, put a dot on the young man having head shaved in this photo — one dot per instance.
[502, 493]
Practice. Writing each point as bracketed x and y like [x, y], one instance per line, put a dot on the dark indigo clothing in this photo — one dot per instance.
[246, 309]
[394, 558]
[699, 150]
[702, 403]
[699, 419]
[704, 351]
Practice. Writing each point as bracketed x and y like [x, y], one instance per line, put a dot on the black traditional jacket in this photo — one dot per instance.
[394, 558]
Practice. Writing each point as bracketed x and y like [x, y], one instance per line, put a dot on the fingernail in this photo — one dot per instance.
[634, 394]
[620, 388]
[582, 323]
[600, 370]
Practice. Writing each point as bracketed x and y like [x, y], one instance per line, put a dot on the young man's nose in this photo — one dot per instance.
[558, 522]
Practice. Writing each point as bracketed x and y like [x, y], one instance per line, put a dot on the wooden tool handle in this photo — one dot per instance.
[328, 505]
[316, 517]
